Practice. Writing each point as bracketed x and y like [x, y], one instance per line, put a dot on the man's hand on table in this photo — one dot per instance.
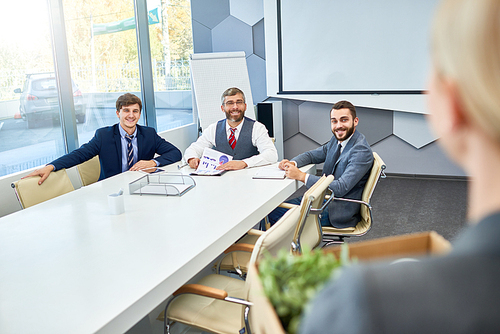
[144, 164]
[282, 163]
[233, 165]
[292, 171]
[193, 162]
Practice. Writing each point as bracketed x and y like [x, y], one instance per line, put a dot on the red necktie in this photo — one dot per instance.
[232, 138]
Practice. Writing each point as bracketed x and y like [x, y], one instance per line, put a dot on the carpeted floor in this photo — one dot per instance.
[407, 204]
[412, 204]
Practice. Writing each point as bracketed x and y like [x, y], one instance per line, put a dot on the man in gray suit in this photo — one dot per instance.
[347, 156]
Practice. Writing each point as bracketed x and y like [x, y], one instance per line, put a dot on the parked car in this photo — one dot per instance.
[39, 99]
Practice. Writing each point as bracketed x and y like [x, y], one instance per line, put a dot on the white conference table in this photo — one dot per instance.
[68, 266]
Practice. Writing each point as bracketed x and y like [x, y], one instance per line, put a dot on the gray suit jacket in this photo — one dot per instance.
[458, 293]
[351, 171]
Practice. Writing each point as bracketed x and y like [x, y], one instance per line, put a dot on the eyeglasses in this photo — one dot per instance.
[232, 103]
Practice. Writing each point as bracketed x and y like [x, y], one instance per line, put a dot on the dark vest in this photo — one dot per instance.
[244, 147]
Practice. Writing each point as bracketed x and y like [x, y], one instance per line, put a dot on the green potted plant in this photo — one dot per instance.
[290, 282]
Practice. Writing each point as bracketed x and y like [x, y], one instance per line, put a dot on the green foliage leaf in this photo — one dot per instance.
[290, 282]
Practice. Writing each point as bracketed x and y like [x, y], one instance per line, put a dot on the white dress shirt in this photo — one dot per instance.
[260, 139]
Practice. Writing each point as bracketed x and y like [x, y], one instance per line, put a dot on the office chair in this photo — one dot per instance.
[332, 235]
[308, 229]
[89, 171]
[218, 303]
[29, 193]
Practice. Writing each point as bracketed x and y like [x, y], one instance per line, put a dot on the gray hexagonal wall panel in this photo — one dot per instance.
[290, 119]
[298, 144]
[249, 11]
[232, 35]
[412, 128]
[209, 12]
[202, 38]
[257, 73]
[259, 47]
[403, 158]
[314, 120]
[375, 124]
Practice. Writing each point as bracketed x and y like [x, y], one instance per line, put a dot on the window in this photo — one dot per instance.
[103, 56]
[102, 48]
[30, 128]
[171, 41]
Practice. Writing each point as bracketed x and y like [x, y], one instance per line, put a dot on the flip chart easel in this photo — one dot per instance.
[212, 74]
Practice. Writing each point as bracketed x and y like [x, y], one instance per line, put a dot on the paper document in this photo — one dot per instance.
[210, 160]
[271, 172]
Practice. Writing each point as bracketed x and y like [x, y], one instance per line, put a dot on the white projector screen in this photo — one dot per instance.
[353, 47]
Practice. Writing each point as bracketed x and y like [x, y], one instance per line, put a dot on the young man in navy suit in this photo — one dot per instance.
[121, 147]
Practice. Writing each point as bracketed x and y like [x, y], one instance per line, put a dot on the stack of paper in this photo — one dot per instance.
[269, 173]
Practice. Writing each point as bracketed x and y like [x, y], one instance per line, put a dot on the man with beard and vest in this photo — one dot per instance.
[246, 140]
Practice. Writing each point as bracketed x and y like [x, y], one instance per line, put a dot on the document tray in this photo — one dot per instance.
[162, 184]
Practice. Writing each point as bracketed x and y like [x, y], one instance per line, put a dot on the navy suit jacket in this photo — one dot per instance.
[351, 171]
[107, 144]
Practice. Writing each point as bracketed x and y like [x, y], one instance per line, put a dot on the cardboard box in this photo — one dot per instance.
[400, 246]
[263, 318]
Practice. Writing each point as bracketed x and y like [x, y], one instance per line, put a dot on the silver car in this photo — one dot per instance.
[39, 99]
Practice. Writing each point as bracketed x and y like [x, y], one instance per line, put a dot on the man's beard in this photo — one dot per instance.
[348, 133]
[239, 117]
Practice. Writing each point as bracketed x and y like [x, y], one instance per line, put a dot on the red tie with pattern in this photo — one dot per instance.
[232, 138]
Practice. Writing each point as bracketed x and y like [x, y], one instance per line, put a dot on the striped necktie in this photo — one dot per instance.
[130, 151]
[232, 138]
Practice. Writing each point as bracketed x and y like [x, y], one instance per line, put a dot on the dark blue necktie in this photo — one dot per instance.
[329, 167]
[337, 154]
[130, 151]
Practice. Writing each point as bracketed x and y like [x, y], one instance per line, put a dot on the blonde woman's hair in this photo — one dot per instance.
[466, 48]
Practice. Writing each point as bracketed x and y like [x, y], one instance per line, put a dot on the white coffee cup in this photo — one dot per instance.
[116, 204]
